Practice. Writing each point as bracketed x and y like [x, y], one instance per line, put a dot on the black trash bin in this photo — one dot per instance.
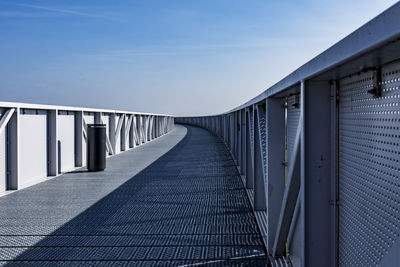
[96, 147]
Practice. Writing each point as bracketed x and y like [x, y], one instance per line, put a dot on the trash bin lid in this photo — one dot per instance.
[96, 125]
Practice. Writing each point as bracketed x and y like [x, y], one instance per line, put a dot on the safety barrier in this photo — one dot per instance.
[319, 153]
[42, 141]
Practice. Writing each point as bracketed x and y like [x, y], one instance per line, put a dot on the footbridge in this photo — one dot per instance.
[305, 174]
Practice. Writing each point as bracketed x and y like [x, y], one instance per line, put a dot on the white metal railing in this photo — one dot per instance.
[41, 141]
[319, 153]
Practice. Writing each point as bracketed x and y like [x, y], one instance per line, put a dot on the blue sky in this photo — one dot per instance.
[182, 57]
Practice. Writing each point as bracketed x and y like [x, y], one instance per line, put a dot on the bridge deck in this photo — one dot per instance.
[177, 200]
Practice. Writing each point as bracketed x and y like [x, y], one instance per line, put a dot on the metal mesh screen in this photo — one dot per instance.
[369, 169]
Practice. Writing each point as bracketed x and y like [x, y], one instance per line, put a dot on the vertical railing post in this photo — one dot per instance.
[316, 180]
[243, 142]
[52, 149]
[249, 152]
[239, 139]
[232, 133]
[78, 136]
[260, 202]
[123, 132]
[13, 151]
[131, 129]
[275, 124]
[111, 131]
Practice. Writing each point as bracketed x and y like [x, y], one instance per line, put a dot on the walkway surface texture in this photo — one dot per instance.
[177, 200]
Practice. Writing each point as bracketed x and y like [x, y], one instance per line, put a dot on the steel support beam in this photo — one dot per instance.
[289, 198]
[13, 151]
[52, 147]
[111, 132]
[243, 142]
[316, 174]
[6, 118]
[260, 202]
[249, 152]
[275, 120]
[78, 136]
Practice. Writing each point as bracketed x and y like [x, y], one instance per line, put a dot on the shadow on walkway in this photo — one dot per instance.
[188, 207]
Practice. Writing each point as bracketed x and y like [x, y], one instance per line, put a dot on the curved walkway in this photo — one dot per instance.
[177, 200]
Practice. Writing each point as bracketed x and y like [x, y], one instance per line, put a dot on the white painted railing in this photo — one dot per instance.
[38, 142]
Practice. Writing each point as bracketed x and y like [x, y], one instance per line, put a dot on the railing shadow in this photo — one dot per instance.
[144, 211]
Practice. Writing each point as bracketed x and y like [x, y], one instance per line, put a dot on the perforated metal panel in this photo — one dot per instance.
[32, 146]
[251, 132]
[263, 134]
[293, 116]
[369, 169]
[66, 136]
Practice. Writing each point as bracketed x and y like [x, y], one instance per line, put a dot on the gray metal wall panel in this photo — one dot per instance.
[66, 136]
[369, 169]
[32, 147]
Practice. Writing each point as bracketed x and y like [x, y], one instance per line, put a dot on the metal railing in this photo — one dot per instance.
[319, 153]
[42, 141]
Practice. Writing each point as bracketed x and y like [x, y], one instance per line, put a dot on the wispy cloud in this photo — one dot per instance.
[64, 11]
[175, 50]
[17, 14]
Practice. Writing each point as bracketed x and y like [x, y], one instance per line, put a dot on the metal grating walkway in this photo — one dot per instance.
[177, 200]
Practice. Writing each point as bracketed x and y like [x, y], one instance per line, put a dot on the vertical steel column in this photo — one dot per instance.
[316, 180]
[239, 139]
[78, 136]
[275, 124]
[52, 149]
[130, 131]
[249, 152]
[13, 151]
[231, 132]
[243, 138]
[153, 127]
[260, 202]
[225, 129]
[334, 172]
[123, 133]
[157, 127]
[234, 133]
[111, 131]
[138, 127]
